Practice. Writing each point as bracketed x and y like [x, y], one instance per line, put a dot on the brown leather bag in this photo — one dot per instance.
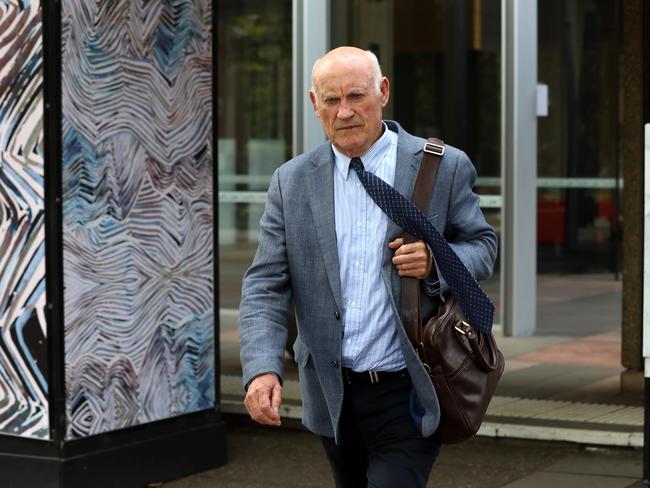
[463, 364]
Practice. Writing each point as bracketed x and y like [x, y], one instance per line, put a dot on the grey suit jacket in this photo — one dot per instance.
[297, 259]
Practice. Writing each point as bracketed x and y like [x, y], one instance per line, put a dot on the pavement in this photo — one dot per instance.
[290, 457]
[559, 417]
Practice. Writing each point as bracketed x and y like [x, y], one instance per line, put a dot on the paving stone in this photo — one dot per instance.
[290, 457]
[561, 480]
[601, 462]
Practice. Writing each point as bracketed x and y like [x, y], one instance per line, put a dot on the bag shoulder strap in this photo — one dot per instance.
[432, 153]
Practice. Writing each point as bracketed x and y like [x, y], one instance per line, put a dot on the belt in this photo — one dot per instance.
[370, 377]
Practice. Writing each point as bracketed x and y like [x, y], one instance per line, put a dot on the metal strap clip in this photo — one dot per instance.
[466, 329]
[374, 377]
[435, 149]
[463, 330]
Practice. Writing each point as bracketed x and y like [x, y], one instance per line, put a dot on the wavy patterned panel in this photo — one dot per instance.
[23, 348]
[138, 211]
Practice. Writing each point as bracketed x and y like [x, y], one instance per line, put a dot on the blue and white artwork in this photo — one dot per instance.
[137, 211]
[23, 343]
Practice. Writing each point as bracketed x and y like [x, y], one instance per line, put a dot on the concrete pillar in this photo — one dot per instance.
[631, 145]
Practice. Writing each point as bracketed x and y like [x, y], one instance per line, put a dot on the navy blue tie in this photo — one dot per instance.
[476, 305]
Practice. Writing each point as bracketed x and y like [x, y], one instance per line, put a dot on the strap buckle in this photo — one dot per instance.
[463, 328]
[435, 149]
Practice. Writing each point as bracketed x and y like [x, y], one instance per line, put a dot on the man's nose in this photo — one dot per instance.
[345, 112]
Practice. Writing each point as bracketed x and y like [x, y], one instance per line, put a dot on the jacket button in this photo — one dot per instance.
[335, 364]
[337, 315]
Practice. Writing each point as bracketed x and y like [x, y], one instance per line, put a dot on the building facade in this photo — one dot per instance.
[529, 90]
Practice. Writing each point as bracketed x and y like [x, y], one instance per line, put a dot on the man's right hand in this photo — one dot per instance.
[263, 399]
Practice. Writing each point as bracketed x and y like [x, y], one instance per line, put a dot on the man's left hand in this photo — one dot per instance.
[411, 260]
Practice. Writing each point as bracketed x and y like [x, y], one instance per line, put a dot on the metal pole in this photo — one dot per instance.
[311, 39]
[519, 166]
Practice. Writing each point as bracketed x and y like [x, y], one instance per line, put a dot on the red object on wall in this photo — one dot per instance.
[606, 208]
[551, 215]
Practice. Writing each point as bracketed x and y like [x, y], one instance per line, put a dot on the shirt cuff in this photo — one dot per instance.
[431, 286]
[436, 285]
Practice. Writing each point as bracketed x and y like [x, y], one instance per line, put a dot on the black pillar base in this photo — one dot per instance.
[135, 458]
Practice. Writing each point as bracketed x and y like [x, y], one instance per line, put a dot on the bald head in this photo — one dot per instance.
[352, 56]
[348, 96]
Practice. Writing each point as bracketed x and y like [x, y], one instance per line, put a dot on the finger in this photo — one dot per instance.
[276, 399]
[416, 257]
[412, 273]
[417, 270]
[396, 243]
[411, 265]
[410, 270]
[264, 418]
[258, 402]
[259, 409]
[266, 409]
[270, 416]
[411, 248]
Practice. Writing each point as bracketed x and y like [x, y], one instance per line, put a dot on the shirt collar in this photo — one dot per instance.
[370, 158]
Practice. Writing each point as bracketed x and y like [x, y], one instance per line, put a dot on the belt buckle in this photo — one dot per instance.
[374, 377]
[435, 149]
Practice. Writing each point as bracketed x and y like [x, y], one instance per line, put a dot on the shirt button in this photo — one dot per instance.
[358, 183]
[359, 223]
[335, 364]
[348, 341]
[356, 264]
[337, 315]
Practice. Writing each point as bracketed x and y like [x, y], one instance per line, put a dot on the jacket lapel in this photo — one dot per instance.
[409, 155]
[321, 199]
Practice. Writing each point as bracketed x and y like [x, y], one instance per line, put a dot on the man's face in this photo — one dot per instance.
[348, 103]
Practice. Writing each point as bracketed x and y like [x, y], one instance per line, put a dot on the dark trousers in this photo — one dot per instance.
[380, 446]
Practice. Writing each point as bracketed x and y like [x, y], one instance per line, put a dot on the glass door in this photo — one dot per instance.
[443, 59]
[254, 126]
[579, 185]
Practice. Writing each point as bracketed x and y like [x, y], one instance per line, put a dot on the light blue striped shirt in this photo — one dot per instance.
[370, 340]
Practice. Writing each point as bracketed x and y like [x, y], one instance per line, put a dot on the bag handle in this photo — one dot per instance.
[432, 152]
[474, 339]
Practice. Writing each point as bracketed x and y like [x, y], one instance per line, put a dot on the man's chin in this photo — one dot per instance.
[350, 150]
[348, 146]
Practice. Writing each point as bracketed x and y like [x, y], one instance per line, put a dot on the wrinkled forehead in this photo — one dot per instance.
[342, 72]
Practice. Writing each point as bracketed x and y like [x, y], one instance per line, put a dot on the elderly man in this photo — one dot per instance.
[326, 245]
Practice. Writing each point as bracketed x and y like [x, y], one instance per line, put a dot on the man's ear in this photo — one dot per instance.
[384, 87]
[314, 102]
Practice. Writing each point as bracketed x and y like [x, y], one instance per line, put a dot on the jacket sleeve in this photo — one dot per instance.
[266, 295]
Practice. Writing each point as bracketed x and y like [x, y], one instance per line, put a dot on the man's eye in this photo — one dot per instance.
[330, 101]
[356, 96]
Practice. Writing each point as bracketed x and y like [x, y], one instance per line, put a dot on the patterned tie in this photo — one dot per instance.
[477, 307]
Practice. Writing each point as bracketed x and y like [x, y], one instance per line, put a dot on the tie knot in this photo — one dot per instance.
[356, 164]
